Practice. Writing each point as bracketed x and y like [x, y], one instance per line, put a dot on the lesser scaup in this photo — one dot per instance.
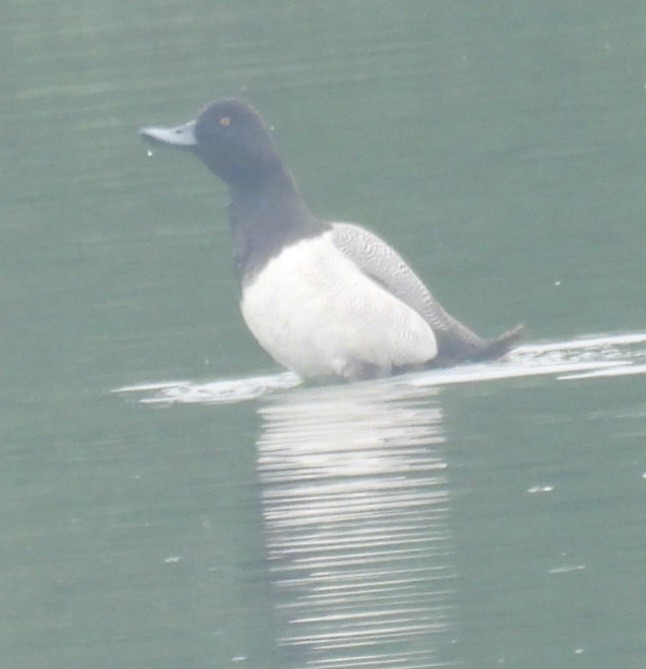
[322, 298]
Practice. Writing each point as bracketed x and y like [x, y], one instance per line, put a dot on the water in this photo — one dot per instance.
[485, 516]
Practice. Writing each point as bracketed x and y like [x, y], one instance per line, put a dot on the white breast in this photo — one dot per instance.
[317, 314]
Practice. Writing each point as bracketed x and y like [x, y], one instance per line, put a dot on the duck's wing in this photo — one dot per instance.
[456, 342]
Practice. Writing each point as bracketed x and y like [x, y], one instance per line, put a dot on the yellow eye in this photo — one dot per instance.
[225, 120]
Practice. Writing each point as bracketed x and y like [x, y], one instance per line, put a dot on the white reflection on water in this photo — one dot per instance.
[356, 511]
[356, 503]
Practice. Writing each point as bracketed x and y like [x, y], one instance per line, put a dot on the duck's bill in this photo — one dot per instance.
[181, 135]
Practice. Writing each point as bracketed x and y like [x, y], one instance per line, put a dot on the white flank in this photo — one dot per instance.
[317, 314]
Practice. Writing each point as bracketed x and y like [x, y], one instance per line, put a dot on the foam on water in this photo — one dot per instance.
[584, 358]
[228, 391]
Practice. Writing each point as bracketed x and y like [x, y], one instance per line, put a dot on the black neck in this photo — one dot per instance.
[267, 216]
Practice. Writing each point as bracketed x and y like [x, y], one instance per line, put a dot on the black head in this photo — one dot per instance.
[234, 142]
[231, 138]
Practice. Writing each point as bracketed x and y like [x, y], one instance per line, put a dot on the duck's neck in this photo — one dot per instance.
[266, 216]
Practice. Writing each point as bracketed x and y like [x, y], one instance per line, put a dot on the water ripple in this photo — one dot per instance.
[590, 357]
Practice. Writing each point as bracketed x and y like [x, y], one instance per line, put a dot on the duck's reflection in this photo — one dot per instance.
[356, 511]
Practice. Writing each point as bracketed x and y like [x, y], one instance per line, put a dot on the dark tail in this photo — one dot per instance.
[496, 348]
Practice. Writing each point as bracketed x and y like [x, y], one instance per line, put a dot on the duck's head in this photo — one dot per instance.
[230, 137]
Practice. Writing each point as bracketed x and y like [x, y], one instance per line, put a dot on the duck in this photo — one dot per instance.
[322, 298]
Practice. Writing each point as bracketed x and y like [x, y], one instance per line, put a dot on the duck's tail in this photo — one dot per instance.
[496, 348]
